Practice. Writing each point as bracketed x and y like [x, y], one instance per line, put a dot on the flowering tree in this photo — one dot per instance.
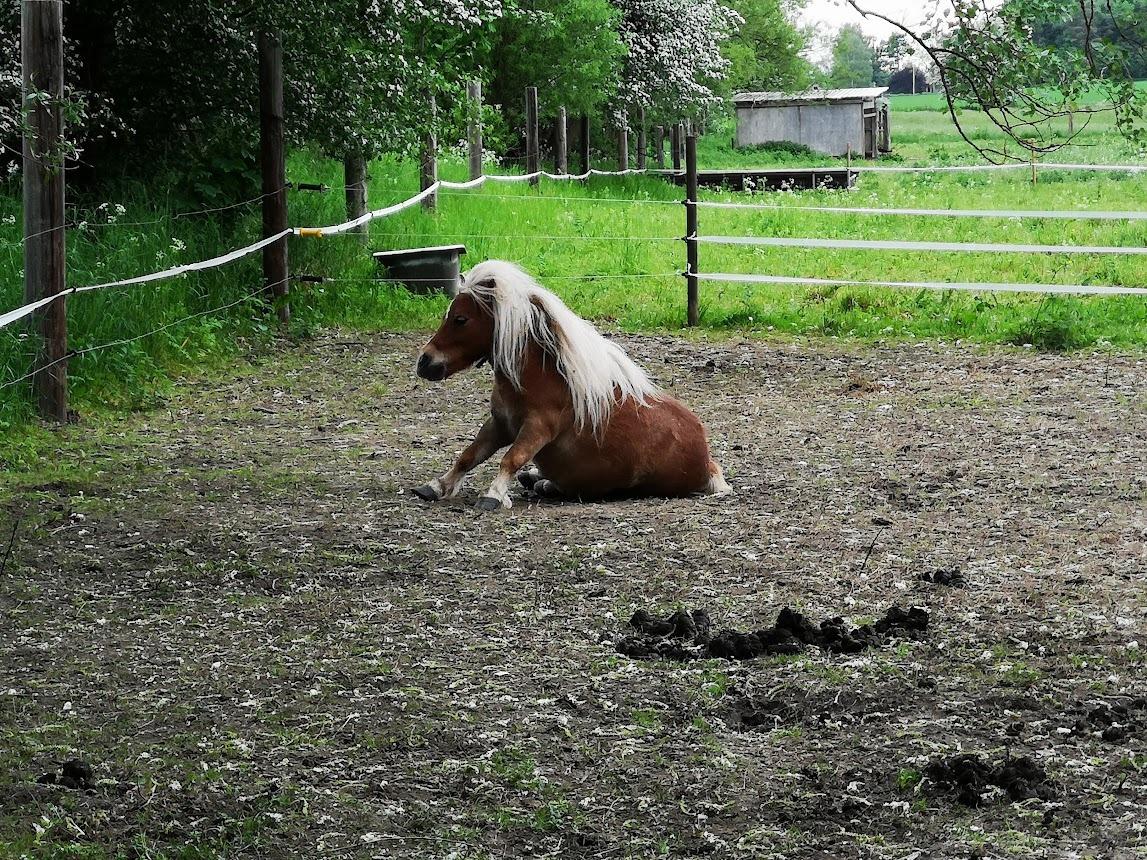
[673, 61]
[179, 77]
[569, 49]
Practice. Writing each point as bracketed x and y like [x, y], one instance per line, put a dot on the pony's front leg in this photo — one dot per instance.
[489, 439]
[531, 439]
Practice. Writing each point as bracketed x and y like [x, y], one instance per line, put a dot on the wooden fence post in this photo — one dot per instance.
[583, 142]
[474, 127]
[675, 146]
[682, 133]
[561, 144]
[659, 146]
[533, 162]
[623, 143]
[354, 182]
[642, 145]
[42, 61]
[428, 161]
[692, 315]
[273, 154]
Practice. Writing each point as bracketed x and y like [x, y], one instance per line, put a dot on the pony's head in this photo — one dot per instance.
[465, 338]
[500, 310]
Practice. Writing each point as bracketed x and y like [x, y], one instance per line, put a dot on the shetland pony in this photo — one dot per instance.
[564, 397]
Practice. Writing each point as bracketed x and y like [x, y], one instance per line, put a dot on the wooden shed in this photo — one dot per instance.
[829, 121]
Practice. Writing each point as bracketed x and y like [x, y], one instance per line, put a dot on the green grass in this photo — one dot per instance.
[610, 247]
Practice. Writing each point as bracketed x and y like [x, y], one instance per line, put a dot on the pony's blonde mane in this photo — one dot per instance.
[598, 372]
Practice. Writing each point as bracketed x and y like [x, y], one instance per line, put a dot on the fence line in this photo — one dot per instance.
[1074, 289]
[529, 197]
[439, 184]
[222, 260]
[626, 276]
[19, 313]
[898, 245]
[1061, 214]
[690, 272]
[1025, 165]
[693, 238]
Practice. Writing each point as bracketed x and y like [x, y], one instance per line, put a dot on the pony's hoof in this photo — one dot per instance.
[529, 477]
[547, 489]
[488, 504]
[426, 493]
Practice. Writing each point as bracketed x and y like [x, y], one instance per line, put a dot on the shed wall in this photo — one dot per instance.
[827, 128]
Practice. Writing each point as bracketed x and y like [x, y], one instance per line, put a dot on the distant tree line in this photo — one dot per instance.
[1118, 27]
[172, 84]
[861, 61]
[1029, 65]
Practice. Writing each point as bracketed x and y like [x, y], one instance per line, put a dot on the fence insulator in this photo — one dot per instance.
[311, 231]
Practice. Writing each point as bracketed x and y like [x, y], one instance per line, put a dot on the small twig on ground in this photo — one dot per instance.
[8, 551]
[871, 546]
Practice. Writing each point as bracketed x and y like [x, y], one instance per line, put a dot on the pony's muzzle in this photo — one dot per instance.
[429, 368]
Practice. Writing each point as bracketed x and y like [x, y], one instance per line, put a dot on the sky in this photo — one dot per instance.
[828, 16]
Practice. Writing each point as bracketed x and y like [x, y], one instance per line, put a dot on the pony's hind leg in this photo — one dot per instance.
[717, 485]
[547, 488]
[447, 486]
[535, 482]
[529, 476]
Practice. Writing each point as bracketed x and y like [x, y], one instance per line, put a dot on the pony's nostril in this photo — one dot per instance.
[430, 369]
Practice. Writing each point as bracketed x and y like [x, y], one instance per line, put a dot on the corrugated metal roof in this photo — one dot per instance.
[812, 95]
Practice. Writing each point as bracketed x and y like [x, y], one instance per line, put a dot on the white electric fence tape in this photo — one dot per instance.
[11, 316]
[1071, 289]
[222, 260]
[1062, 214]
[1019, 165]
[896, 245]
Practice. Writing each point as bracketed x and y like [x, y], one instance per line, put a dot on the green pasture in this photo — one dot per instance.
[610, 247]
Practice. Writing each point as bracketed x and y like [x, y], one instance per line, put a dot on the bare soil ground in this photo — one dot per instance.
[265, 646]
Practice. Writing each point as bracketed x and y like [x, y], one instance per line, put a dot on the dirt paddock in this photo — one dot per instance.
[264, 646]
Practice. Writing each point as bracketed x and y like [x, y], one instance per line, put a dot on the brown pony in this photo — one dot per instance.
[564, 397]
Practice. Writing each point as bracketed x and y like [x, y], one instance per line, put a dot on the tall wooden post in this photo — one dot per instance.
[682, 133]
[533, 161]
[273, 154]
[583, 142]
[642, 145]
[623, 143]
[474, 127]
[354, 182]
[428, 160]
[659, 146]
[42, 58]
[561, 143]
[693, 315]
[675, 146]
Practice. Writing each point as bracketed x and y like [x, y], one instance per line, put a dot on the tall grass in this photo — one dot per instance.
[610, 247]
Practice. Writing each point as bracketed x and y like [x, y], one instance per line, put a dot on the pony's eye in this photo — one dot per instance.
[460, 320]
